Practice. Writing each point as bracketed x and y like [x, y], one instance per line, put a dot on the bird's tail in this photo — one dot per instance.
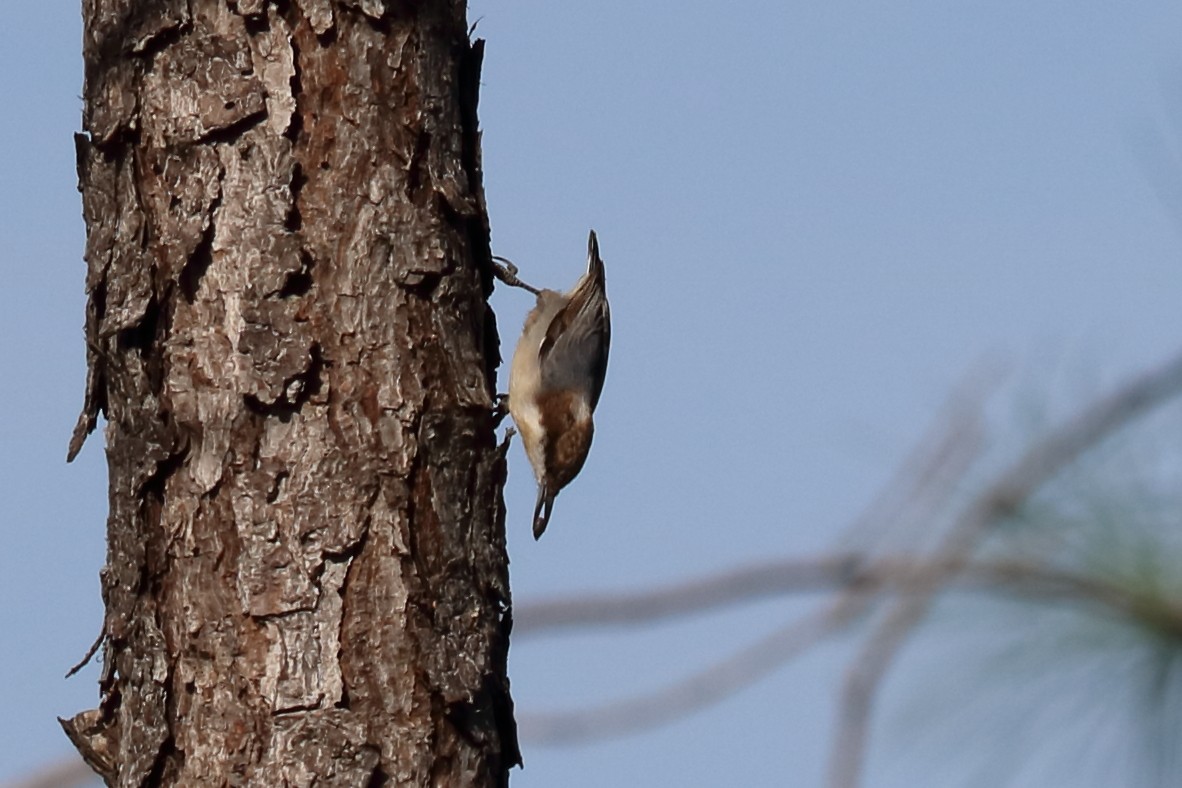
[594, 264]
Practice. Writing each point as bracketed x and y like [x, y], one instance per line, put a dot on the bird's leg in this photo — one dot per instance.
[504, 270]
[503, 448]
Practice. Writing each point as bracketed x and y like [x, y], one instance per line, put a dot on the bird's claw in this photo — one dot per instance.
[506, 271]
[500, 409]
[503, 448]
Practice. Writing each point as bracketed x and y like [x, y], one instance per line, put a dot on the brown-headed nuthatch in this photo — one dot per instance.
[556, 378]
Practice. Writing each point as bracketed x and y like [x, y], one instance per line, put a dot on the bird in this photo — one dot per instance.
[556, 377]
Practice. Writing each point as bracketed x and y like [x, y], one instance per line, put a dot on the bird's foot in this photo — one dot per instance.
[506, 271]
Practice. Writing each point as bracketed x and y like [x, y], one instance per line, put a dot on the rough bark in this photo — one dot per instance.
[288, 334]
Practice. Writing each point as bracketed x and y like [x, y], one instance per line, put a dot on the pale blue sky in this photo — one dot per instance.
[815, 218]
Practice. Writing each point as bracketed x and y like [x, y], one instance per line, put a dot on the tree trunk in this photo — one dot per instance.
[288, 266]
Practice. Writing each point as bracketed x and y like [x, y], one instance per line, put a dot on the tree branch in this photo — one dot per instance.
[905, 575]
[1011, 490]
[702, 689]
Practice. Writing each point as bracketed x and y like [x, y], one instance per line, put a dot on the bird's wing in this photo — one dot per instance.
[573, 353]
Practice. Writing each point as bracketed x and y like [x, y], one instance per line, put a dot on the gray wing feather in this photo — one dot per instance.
[574, 351]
